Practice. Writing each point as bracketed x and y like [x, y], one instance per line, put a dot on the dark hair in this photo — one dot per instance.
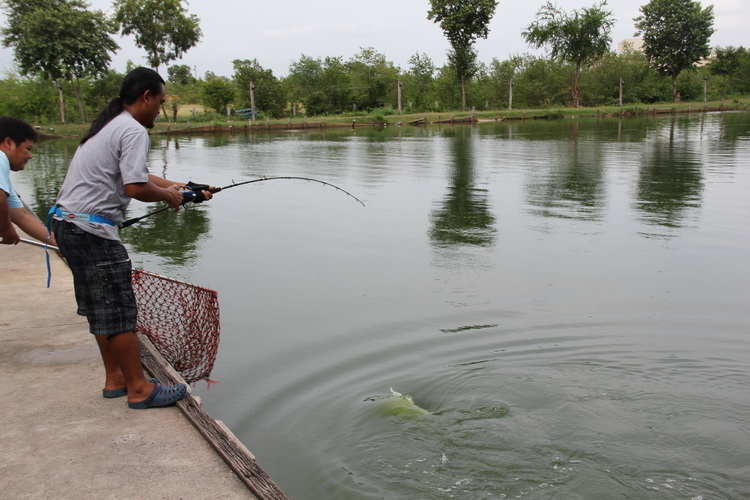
[133, 86]
[17, 129]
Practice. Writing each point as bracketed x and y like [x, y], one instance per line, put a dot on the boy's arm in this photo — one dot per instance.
[7, 231]
[31, 225]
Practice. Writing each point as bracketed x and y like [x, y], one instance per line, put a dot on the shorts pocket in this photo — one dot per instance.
[116, 287]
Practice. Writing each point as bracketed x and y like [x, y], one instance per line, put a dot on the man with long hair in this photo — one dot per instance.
[107, 171]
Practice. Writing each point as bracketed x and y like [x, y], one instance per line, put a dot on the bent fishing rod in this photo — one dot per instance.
[193, 192]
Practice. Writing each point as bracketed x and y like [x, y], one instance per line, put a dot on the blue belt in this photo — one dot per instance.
[75, 216]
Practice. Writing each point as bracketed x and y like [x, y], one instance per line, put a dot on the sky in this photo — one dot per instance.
[277, 33]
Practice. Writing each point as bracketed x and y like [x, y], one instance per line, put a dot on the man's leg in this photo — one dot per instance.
[125, 350]
[114, 377]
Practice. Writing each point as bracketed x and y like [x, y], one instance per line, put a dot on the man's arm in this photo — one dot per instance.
[166, 183]
[151, 191]
[162, 182]
[7, 231]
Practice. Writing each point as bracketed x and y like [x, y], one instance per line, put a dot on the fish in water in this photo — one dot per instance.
[398, 404]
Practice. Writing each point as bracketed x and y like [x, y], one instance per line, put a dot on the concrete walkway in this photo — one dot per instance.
[60, 439]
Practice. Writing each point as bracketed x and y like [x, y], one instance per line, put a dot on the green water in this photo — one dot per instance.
[567, 301]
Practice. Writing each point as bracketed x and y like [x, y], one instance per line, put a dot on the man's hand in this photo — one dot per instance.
[203, 192]
[203, 195]
[173, 197]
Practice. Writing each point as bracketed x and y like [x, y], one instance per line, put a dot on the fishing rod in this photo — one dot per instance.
[193, 192]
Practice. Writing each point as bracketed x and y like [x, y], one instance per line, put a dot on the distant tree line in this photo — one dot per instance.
[74, 80]
[369, 83]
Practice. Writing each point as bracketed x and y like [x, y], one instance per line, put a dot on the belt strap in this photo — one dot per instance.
[76, 216]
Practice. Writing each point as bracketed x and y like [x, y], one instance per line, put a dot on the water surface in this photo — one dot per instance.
[567, 299]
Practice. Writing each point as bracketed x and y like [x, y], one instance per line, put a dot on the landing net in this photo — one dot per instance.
[181, 320]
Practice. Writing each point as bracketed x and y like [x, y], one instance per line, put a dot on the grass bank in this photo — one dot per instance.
[74, 130]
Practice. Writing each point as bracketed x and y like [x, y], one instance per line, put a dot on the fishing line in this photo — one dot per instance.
[192, 192]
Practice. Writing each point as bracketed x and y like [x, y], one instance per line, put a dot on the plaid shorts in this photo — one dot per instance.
[102, 278]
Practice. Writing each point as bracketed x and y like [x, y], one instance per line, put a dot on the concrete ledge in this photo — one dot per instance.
[60, 438]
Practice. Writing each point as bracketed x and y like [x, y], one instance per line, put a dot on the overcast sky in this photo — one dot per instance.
[277, 33]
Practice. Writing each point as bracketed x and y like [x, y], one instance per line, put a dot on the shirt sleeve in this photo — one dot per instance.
[133, 157]
[6, 185]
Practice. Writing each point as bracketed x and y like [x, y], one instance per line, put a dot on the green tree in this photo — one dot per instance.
[267, 90]
[59, 40]
[580, 38]
[419, 89]
[163, 28]
[641, 82]
[732, 65]
[322, 86]
[180, 74]
[447, 94]
[675, 35]
[463, 22]
[32, 99]
[217, 93]
[335, 84]
[494, 81]
[541, 83]
[373, 80]
[100, 90]
[302, 83]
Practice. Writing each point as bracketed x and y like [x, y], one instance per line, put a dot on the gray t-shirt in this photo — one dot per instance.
[101, 167]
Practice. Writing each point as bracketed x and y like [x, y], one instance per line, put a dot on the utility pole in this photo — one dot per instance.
[400, 84]
[60, 102]
[252, 102]
[705, 85]
[510, 95]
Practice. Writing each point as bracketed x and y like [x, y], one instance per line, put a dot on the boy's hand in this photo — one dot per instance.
[9, 236]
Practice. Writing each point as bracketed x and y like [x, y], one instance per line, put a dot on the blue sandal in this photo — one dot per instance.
[162, 395]
[122, 391]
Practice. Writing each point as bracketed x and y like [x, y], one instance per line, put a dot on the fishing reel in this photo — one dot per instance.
[188, 194]
[194, 192]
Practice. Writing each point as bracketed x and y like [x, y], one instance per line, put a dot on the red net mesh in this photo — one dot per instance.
[181, 320]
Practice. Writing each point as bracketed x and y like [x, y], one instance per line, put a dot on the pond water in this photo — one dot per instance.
[567, 301]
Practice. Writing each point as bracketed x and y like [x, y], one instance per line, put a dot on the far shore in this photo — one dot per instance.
[236, 123]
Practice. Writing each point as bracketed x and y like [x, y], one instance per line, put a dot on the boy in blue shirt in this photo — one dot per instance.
[17, 139]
